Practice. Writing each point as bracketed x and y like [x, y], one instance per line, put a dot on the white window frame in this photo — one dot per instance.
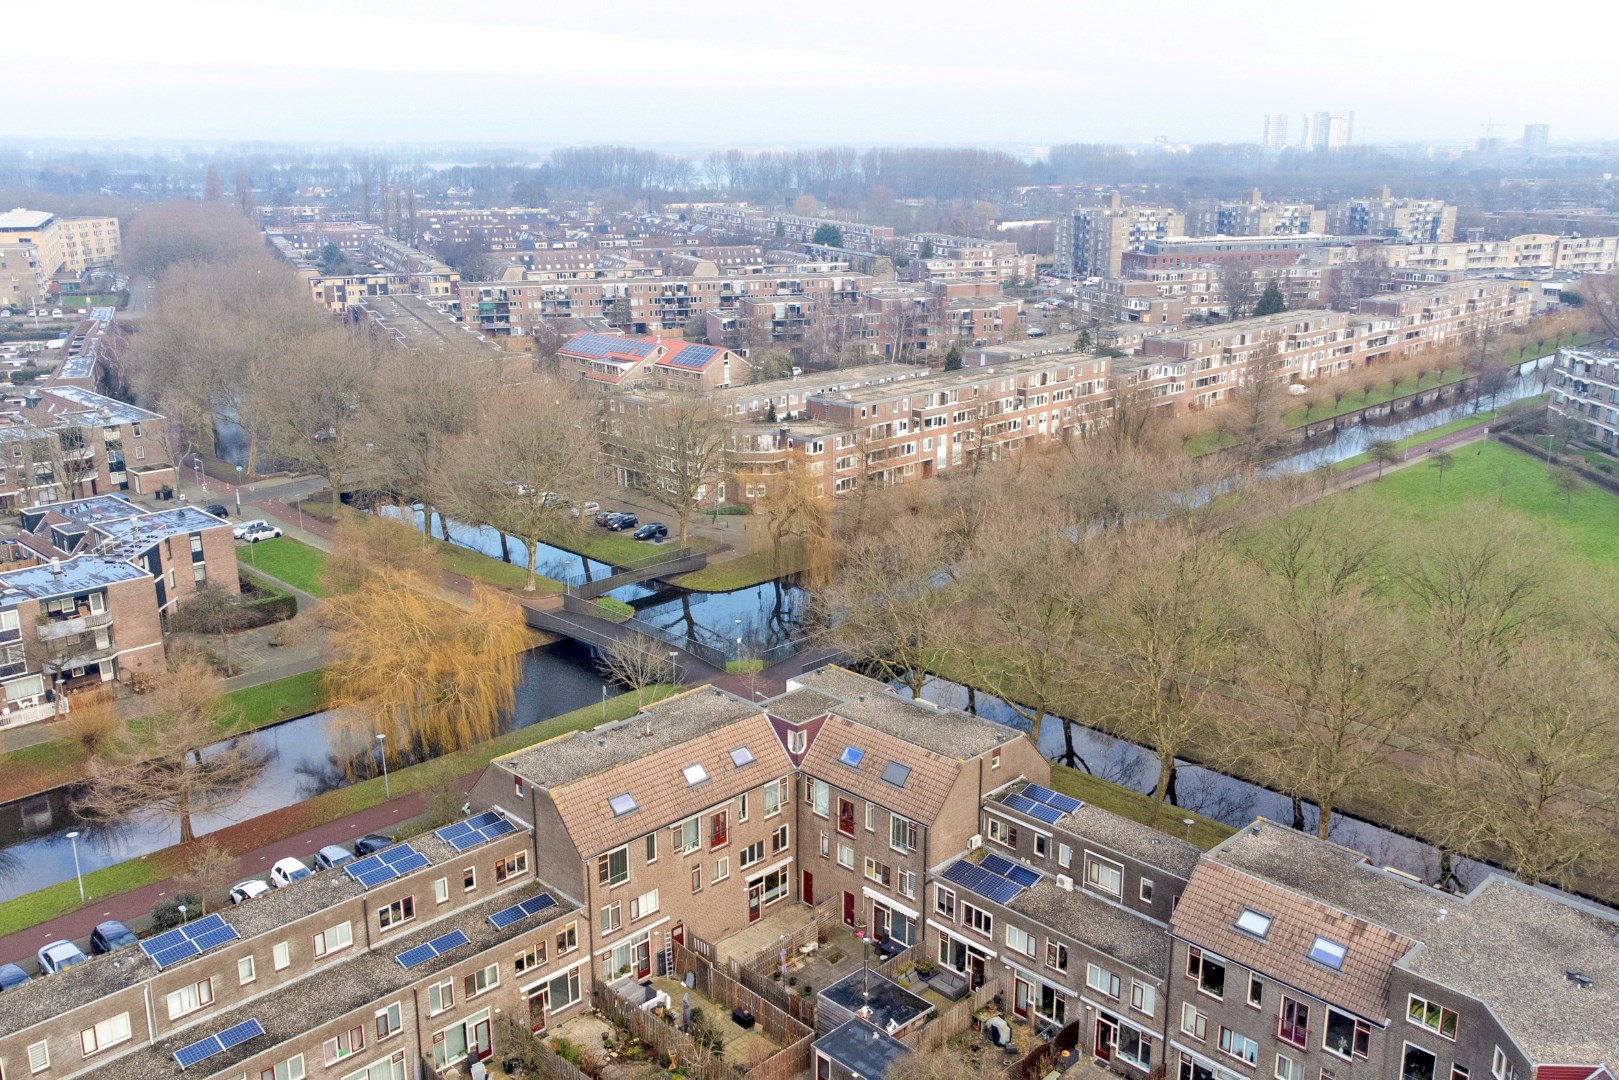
[1097, 867]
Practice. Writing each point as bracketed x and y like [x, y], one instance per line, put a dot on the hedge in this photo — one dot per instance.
[273, 604]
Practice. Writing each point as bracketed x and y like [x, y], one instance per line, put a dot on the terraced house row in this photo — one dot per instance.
[936, 832]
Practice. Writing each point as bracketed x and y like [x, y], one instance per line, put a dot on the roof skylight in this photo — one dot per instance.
[695, 774]
[852, 756]
[741, 756]
[1253, 922]
[1329, 953]
[622, 804]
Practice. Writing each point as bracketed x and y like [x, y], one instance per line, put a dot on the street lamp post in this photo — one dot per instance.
[74, 838]
[196, 463]
[382, 750]
[238, 491]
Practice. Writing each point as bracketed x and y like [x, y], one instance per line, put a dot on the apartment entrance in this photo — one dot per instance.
[1107, 1034]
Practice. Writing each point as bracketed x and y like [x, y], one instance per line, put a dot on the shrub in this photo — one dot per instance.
[166, 916]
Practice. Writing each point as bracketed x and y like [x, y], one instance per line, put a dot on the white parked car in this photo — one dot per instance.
[259, 532]
[59, 956]
[241, 530]
[288, 870]
[243, 891]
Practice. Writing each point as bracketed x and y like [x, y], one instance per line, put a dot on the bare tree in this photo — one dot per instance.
[93, 720]
[676, 452]
[1600, 296]
[209, 869]
[318, 417]
[795, 507]
[1239, 288]
[215, 609]
[638, 662]
[430, 401]
[1363, 275]
[161, 766]
[1257, 402]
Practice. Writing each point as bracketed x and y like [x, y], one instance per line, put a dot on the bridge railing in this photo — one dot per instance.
[708, 654]
[640, 562]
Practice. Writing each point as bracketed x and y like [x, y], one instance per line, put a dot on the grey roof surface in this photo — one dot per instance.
[1082, 916]
[1334, 875]
[95, 508]
[310, 1003]
[862, 1049]
[1511, 946]
[585, 753]
[24, 219]
[78, 574]
[1132, 839]
[44, 998]
[951, 732]
[796, 706]
[121, 412]
[889, 1000]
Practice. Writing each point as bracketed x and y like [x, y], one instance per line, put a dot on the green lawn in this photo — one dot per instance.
[751, 569]
[1206, 442]
[1491, 472]
[63, 897]
[614, 609]
[1421, 438]
[290, 561]
[1354, 400]
[1204, 832]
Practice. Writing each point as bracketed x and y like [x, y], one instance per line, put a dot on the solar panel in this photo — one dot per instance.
[896, 774]
[475, 830]
[977, 879]
[397, 861]
[189, 940]
[202, 1049]
[437, 947]
[692, 356]
[1065, 803]
[1019, 803]
[1048, 814]
[1022, 875]
[518, 912]
[536, 904]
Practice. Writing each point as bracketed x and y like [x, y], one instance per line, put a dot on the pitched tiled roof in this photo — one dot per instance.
[1215, 898]
[660, 790]
[927, 786]
[947, 731]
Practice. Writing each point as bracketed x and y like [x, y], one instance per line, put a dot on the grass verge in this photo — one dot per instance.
[62, 898]
[752, 569]
[291, 562]
[617, 610]
[1355, 401]
[1423, 437]
[1204, 832]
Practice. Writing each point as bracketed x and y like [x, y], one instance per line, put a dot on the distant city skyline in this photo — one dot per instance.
[410, 71]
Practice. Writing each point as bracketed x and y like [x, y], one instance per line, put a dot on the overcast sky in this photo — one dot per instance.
[946, 72]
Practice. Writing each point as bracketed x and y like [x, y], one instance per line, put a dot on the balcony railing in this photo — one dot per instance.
[53, 629]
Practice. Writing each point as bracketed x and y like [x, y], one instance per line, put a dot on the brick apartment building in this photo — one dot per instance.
[62, 245]
[1218, 252]
[1405, 220]
[69, 442]
[663, 363]
[1091, 241]
[1253, 216]
[1585, 392]
[794, 228]
[943, 257]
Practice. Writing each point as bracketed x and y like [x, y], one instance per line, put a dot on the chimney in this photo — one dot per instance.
[56, 566]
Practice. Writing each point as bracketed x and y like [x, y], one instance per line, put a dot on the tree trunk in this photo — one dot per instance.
[252, 453]
[1323, 826]
[1036, 722]
[533, 549]
[505, 547]
[1165, 791]
[1069, 756]
[685, 521]
[1298, 813]
[337, 495]
[182, 809]
[972, 700]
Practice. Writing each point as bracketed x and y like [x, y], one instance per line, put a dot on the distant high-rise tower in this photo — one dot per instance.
[1328, 130]
[1275, 130]
[1535, 137]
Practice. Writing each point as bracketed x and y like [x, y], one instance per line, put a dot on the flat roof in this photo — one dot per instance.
[950, 732]
[19, 219]
[78, 574]
[862, 1049]
[889, 1002]
[110, 409]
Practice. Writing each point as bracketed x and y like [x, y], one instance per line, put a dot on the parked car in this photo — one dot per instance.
[371, 843]
[621, 522]
[216, 509]
[655, 530]
[589, 509]
[59, 956]
[243, 891]
[241, 530]
[110, 936]
[12, 976]
[331, 857]
[288, 870]
[604, 516]
[261, 532]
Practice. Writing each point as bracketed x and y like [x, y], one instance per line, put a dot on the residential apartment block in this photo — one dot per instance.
[1585, 392]
[942, 257]
[1408, 220]
[1531, 251]
[61, 245]
[1253, 217]
[69, 442]
[1092, 241]
[794, 228]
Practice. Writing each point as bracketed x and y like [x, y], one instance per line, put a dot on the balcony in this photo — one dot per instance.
[55, 629]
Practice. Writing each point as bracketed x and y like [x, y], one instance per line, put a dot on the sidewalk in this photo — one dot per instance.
[134, 907]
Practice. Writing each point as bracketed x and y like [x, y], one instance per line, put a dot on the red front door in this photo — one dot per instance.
[755, 895]
[643, 960]
[1020, 997]
[536, 1011]
[809, 888]
[848, 909]
[679, 933]
[481, 1046]
[1105, 1033]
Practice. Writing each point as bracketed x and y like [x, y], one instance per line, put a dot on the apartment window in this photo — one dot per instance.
[902, 834]
[1208, 972]
[349, 1042]
[1003, 832]
[511, 866]
[754, 852]
[441, 890]
[879, 872]
[1104, 875]
[400, 911]
[1458, 1072]
[1146, 890]
[795, 742]
[775, 795]
[1501, 1066]
[613, 868]
[1239, 1045]
[106, 1033]
[697, 879]
[651, 848]
[1346, 1036]
[645, 904]
[530, 958]
[944, 901]
[1057, 956]
[331, 940]
[1019, 940]
[567, 939]
[742, 807]
[981, 921]
[845, 817]
[388, 1021]
[1100, 979]
[245, 972]
[846, 856]
[687, 836]
[1436, 1018]
[1256, 991]
[1418, 1064]
[1288, 1069]
[871, 817]
[39, 1057]
[1065, 855]
[612, 917]
[722, 868]
[826, 846]
[718, 833]
[1143, 998]
[1193, 1022]
[281, 956]
[189, 999]
[907, 884]
[778, 840]
[1042, 845]
[1294, 1026]
[480, 981]
[440, 996]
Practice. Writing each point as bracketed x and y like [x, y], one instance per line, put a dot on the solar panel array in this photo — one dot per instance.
[1000, 864]
[203, 1049]
[192, 939]
[397, 861]
[1066, 803]
[1039, 811]
[518, 912]
[475, 830]
[437, 947]
[692, 356]
[604, 345]
[977, 879]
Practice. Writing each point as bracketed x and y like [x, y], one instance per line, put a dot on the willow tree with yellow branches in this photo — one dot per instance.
[432, 675]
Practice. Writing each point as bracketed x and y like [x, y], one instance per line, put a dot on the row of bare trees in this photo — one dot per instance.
[1443, 678]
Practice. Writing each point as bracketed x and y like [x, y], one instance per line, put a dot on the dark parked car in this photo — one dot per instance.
[606, 516]
[621, 522]
[216, 509]
[372, 843]
[655, 530]
[12, 976]
[109, 937]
